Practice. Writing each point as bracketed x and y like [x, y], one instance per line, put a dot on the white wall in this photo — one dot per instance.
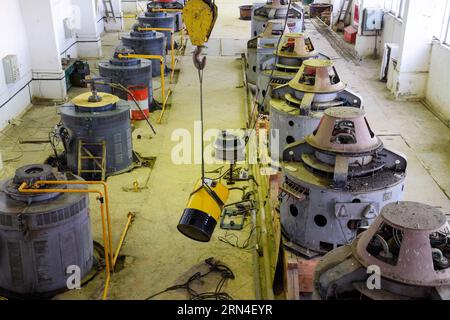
[14, 98]
[91, 27]
[63, 9]
[393, 29]
[48, 76]
[438, 90]
[37, 27]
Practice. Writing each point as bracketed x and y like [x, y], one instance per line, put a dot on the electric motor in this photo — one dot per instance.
[146, 42]
[43, 236]
[97, 136]
[336, 181]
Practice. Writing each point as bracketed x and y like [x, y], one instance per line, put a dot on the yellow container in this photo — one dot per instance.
[203, 210]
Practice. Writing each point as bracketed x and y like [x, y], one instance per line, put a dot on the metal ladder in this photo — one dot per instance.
[86, 154]
[109, 13]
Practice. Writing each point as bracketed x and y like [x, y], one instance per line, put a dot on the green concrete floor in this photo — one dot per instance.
[155, 254]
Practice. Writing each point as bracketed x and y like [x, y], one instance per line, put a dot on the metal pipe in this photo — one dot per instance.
[151, 57]
[165, 10]
[172, 41]
[254, 221]
[255, 257]
[173, 71]
[122, 238]
[106, 196]
[169, 92]
[265, 243]
[23, 189]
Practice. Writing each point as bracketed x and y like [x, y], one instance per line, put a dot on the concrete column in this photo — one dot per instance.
[411, 73]
[47, 74]
[117, 23]
[90, 28]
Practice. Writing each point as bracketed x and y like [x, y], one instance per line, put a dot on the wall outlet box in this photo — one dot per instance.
[373, 19]
[11, 68]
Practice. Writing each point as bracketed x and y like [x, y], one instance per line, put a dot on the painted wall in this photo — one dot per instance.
[14, 98]
[393, 29]
[40, 41]
[133, 6]
[64, 12]
[90, 29]
[438, 93]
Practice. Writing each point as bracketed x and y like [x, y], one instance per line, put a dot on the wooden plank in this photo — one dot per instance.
[293, 292]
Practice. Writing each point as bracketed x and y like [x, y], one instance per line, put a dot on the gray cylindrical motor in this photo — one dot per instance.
[127, 72]
[107, 123]
[146, 42]
[43, 237]
[336, 180]
[261, 14]
[159, 20]
[169, 4]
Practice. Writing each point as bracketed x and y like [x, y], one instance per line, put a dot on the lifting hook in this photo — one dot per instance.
[199, 62]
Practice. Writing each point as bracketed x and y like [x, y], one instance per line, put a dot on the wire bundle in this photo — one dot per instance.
[217, 294]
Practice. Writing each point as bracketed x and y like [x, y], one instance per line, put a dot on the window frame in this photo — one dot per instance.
[446, 28]
[397, 12]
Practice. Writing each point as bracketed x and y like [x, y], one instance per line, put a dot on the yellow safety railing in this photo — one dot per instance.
[150, 57]
[172, 44]
[110, 258]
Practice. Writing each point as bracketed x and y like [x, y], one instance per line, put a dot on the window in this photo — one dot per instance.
[438, 12]
[395, 7]
[401, 13]
[441, 20]
[447, 31]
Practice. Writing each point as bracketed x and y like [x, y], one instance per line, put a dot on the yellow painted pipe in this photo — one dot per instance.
[165, 10]
[164, 106]
[172, 41]
[106, 196]
[173, 71]
[151, 57]
[23, 189]
[122, 238]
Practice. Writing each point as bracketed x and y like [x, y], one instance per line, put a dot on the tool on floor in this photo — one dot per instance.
[205, 204]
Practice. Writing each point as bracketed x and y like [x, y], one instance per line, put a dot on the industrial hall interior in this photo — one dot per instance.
[224, 150]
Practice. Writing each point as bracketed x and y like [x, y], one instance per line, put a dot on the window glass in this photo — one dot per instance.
[401, 14]
[447, 40]
[438, 17]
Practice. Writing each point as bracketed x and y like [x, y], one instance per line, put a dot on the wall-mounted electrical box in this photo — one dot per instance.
[68, 29]
[11, 68]
[373, 19]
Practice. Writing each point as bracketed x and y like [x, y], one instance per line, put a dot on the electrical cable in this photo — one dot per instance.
[214, 267]
[245, 245]
[121, 87]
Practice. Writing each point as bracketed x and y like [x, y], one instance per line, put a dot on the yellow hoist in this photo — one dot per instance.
[209, 196]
